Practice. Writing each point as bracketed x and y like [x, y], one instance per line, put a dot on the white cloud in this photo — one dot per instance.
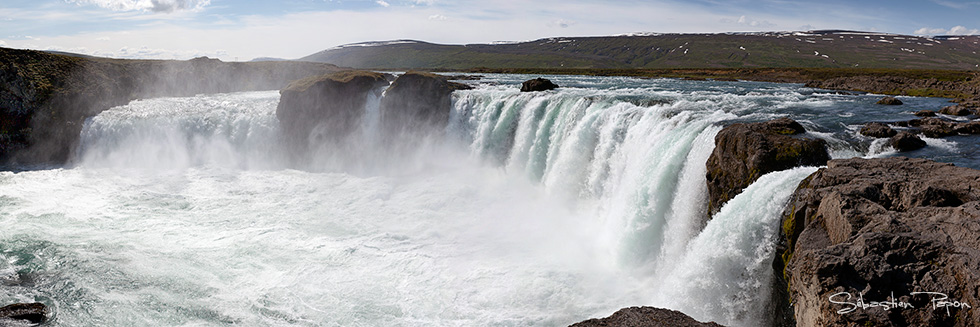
[425, 2]
[103, 38]
[956, 30]
[749, 22]
[561, 23]
[383, 3]
[161, 6]
[961, 30]
[954, 4]
[2, 43]
[438, 17]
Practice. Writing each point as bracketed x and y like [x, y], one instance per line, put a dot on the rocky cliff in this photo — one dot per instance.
[744, 152]
[45, 98]
[416, 104]
[324, 108]
[883, 242]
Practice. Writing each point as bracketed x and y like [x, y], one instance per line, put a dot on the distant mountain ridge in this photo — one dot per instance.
[826, 48]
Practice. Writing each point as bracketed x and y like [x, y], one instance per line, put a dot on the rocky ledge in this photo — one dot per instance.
[895, 232]
[645, 317]
[744, 152]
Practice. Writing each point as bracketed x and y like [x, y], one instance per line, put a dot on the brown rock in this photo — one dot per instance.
[925, 113]
[538, 84]
[330, 105]
[957, 110]
[971, 128]
[906, 141]
[34, 313]
[882, 229]
[744, 152]
[877, 130]
[934, 127]
[417, 103]
[645, 317]
[891, 101]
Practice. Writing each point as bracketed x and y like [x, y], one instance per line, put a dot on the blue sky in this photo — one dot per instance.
[245, 29]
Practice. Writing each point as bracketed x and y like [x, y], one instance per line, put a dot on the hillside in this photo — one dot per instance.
[829, 49]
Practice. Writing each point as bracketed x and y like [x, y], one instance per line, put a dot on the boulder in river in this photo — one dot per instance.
[899, 232]
[877, 130]
[906, 141]
[890, 101]
[538, 84]
[925, 113]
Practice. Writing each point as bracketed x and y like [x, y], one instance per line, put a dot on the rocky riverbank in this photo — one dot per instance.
[896, 231]
[45, 98]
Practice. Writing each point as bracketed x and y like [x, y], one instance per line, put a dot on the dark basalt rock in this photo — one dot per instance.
[957, 110]
[877, 130]
[971, 128]
[906, 141]
[925, 113]
[34, 313]
[882, 229]
[744, 152]
[325, 108]
[890, 101]
[417, 103]
[934, 127]
[645, 317]
[538, 84]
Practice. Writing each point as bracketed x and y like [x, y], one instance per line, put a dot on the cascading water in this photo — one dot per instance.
[534, 209]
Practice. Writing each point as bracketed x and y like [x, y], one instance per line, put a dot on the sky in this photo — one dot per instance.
[241, 30]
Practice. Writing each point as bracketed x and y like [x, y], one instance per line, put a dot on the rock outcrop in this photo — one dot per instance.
[537, 85]
[645, 317]
[956, 110]
[744, 152]
[417, 103]
[925, 113]
[877, 130]
[906, 141]
[45, 98]
[324, 108]
[890, 101]
[34, 313]
[883, 231]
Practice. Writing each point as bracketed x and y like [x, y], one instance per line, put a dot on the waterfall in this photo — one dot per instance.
[625, 164]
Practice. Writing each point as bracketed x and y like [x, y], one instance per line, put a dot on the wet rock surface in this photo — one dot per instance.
[417, 103]
[537, 85]
[883, 230]
[325, 108]
[906, 141]
[744, 152]
[877, 130]
[890, 101]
